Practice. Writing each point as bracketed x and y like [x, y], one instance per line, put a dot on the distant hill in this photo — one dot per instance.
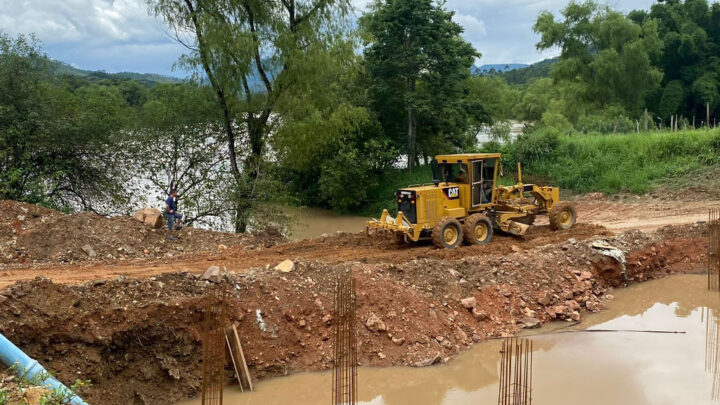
[148, 79]
[498, 68]
[526, 74]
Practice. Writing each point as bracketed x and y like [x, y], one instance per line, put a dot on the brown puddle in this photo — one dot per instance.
[569, 367]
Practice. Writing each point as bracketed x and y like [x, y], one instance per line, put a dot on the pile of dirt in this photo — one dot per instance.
[32, 234]
[138, 340]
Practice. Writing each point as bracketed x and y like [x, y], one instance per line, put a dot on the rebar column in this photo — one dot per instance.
[713, 256]
[213, 345]
[712, 350]
[515, 372]
[345, 371]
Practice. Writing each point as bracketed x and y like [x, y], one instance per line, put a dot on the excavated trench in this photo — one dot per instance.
[137, 340]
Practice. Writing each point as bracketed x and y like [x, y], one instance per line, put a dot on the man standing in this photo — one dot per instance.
[171, 214]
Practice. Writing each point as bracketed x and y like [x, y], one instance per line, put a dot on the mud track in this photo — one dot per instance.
[334, 249]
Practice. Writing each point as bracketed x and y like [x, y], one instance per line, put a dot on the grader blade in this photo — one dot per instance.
[517, 228]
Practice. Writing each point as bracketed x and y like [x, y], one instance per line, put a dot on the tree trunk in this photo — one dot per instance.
[412, 129]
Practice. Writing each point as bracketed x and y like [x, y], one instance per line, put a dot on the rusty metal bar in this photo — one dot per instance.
[213, 344]
[515, 372]
[712, 350]
[346, 358]
[713, 256]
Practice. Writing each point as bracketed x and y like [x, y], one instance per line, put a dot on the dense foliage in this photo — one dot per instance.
[290, 102]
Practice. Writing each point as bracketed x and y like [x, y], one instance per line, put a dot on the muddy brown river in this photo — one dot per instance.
[314, 222]
[620, 363]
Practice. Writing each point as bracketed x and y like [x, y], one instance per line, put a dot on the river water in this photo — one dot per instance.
[572, 365]
[314, 222]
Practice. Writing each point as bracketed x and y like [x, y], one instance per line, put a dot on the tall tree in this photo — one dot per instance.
[418, 63]
[58, 143]
[690, 31]
[254, 54]
[606, 58]
[178, 144]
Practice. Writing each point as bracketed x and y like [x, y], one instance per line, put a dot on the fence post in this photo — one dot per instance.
[707, 109]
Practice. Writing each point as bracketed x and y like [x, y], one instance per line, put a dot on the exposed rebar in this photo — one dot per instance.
[515, 372]
[713, 261]
[213, 344]
[712, 350]
[345, 371]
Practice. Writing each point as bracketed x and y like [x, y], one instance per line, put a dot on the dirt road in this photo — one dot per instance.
[331, 250]
[596, 216]
[642, 214]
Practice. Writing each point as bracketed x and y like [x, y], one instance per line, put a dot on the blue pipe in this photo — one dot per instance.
[29, 368]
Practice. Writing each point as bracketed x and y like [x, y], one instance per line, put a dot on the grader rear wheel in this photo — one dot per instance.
[562, 215]
[447, 233]
[477, 230]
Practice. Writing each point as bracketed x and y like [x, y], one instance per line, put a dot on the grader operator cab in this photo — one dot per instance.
[465, 203]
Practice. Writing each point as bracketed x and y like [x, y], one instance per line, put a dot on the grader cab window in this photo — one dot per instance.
[451, 173]
[483, 181]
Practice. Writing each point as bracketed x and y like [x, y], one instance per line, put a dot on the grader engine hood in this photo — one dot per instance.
[418, 208]
[434, 202]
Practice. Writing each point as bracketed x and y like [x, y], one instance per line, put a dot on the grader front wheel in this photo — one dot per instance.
[562, 215]
[477, 230]
[447, 233]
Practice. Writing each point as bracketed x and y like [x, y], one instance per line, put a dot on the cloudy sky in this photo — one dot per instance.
[119, 35]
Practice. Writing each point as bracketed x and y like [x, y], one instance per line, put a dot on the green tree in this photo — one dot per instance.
[535, 100]
[254, 54]
[418, 64]
[606, 58]
[690, 31]
[58, 143]
[178, 144]
[495, 96]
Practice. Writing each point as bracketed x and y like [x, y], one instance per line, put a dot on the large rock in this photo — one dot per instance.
[436, 358]
[149, 216]
[213, 274]
[375, 324]
[469, 302]
[89, 251]
[529, 323]
[545, 298]
[286, 266]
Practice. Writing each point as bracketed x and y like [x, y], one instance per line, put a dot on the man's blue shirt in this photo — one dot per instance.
[171, 203]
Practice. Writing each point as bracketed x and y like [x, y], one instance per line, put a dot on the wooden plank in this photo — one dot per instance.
[232, 356]
[243, 363]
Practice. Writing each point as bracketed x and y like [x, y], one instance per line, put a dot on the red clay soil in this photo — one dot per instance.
[137, 339]
[31, 235]
[336, 249]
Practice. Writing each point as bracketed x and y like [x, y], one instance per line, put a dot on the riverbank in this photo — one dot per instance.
[137, 340]
[630, 363]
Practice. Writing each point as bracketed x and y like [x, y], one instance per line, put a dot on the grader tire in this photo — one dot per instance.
[562, 216]
[477, 230]
[447, 234]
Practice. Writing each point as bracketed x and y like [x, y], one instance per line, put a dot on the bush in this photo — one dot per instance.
[536, 145]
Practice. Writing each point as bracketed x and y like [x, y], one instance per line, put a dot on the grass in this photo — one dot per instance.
[634, 163]
[618, 163]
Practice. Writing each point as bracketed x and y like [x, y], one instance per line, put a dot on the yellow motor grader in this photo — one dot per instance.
[465, 203]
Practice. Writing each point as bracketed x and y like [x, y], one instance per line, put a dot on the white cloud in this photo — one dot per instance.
[120, 35]
[474, 28]
[112, 35]
[81, 20]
